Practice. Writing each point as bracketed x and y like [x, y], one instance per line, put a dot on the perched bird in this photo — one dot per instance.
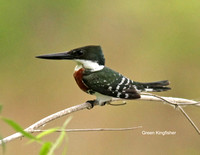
[93, 77]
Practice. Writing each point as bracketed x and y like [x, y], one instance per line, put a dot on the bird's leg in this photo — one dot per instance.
[96, 102]
[119, 104]
[104, 103]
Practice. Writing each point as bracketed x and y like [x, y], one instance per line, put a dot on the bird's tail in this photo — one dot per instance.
[154, 86]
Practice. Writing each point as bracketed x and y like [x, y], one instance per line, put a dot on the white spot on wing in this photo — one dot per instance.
[118, 86]
[122, 81]
[127, 82]
[134, 86]
[149, 89]
[126, 95]
[118, 94]
[110, 88]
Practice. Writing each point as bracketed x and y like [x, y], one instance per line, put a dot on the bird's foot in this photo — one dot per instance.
[104, 103]
[92, 103]
[96, 102]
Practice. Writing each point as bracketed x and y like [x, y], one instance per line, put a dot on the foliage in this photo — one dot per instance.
[47, 148]
[3, 144]
[0, 108]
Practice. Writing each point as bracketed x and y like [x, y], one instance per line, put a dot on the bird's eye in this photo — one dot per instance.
[79, 52]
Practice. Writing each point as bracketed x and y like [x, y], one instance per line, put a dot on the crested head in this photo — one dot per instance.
[91, 53]
[90, 57]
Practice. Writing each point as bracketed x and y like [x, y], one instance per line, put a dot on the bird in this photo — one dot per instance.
[93, 77]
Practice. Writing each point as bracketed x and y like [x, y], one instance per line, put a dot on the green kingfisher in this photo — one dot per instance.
[93, 77]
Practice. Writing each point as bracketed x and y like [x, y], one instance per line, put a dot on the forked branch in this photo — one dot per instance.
[177, 102]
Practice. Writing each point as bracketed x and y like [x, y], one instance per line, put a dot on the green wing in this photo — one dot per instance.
[110, 83]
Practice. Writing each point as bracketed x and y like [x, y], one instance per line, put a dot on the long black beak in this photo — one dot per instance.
[56, 56]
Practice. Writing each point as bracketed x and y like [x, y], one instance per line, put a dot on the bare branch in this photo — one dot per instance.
[95, 129]
[46, 120]
[170, 100]
[177, 102]
[189, 119]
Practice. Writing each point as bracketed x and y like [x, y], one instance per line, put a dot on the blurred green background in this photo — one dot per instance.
[144, 40]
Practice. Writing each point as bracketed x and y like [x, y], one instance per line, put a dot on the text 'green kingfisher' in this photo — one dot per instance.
[93, 77]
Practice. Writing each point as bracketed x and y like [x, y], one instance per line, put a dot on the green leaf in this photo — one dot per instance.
[42, 134]
[18, 128]
[1, 108]
[45, 148]
[3, 146]
[65, 148]
[60, 138]
[47, 132]
[57, 143]
[66, 122]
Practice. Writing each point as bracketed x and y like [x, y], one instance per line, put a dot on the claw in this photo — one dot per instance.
[92, 103]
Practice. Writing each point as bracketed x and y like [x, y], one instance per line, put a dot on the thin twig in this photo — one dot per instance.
[174, 103]
[46, 120]
[144, 96]
[172, 100]
[162, 98]
[189, 119]
[95, 129]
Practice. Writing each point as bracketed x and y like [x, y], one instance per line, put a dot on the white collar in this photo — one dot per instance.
[87, 64]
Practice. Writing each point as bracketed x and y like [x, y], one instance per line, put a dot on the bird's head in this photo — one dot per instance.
[91, 53]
